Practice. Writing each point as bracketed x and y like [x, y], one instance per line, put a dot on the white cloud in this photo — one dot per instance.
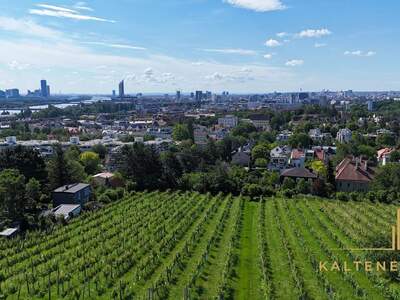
[360, 53]
[314, 33]
[27, 27]
[258, 5]
[294, 62]
[320, 45]
[78, 67]
[62, 12]
[56, 8]
[240, 76]
[198, 63]
[118, 46]
[17, 66]
[282, 34]
[272, 43]
[232, 51]
[82, 6]
[268, 55]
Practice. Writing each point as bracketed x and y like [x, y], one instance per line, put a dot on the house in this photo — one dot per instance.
[201, 135]
[67, 211]
[298, 173]
[383, 156]
[353, 175]
[9, 232]
[317, 136]
[106, 179]
[78, 193]
[279, 157]
[297, 158]
[344, 135]
[284, 136]
[241, 158]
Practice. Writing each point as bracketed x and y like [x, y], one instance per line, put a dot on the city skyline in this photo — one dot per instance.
[244, 46]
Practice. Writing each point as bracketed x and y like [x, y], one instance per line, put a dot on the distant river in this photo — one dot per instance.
[62, 105]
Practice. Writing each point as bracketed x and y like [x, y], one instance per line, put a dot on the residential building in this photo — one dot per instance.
[317, 136]
[67, 211]
[297, 158]
[344, 135]
[200, 135]
[228, 121]
[78, 193]
[260, 121]
[241, 158]
[284, 136]
[354, 175]
[106, 179]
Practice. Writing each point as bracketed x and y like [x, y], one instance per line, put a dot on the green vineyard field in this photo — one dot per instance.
[193, 246]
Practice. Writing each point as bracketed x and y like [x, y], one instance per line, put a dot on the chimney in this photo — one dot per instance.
[366, 165]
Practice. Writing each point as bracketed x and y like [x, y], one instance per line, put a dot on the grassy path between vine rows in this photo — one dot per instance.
[249, 275]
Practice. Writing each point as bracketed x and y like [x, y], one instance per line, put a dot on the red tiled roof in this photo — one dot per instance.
[350, 170]
[297, 154]
[320, 154]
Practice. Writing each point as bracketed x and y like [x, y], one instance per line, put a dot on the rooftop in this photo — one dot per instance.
[298, 173]
[71, 188]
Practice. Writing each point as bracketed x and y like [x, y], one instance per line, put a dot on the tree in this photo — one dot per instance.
[300, 140]
[26, 160]
[91, 162]
[181, 132]
[32, 193]
[64, 168]
[12, 194]
[244, 129]
[171, 169]
[303, 186]
[387, 178]
[261, 163]
[288, 184]
[318, 167]
[141, 164]
[395, 156]
[320, 188]
[57, 168]
[252, 190]
[386, 140]
[330, 174]
[101, 150]
[260, 151]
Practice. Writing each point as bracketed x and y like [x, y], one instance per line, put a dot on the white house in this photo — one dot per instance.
[279, 157]
[344, 135]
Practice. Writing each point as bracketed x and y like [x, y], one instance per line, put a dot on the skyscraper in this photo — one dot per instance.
[43, 88]
[199, 96]
[121, 89]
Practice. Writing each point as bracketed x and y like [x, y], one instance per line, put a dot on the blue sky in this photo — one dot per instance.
[165, 45]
